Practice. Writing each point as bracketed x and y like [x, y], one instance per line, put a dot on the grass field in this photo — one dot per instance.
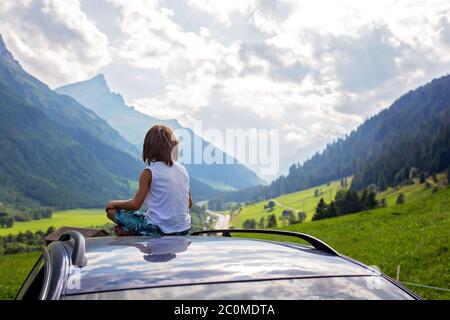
[414, 235]
[74, 218]
[13, 271]
[410, 191]
[302, 200]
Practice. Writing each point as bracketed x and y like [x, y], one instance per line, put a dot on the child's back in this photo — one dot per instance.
[168, 197]
[163, 186]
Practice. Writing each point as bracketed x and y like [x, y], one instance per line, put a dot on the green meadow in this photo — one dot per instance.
[73, 217]
[414, 235]
[13, 271]
[305, 201]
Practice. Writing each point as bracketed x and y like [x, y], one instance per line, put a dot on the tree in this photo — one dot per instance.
[50, 230]
[301, 216]
[372, 188]
[400, 199]
[272, 221]
[218, 204]
[401, 175]
[422, 177]
[383, 202]
[368, 200]
[364, 199]
[6, 222]
[316, 193]
[261, 223]
[321, 210]
[290, 217]
[381, 183]
[339, 201]
[270, 205]
[250, 224]
[352, 202]
[448, 175]
[331, 211]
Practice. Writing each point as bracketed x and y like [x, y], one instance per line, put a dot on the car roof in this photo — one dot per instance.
[118, 263]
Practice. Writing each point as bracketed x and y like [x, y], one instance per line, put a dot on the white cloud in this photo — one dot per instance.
[223, 11]
[444, 31]
[54, 40]
[313, 69]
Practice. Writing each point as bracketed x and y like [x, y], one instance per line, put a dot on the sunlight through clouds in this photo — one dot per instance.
[313, 69]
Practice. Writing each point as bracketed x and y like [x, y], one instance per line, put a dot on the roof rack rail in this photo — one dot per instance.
[316, 243]
[79, 248]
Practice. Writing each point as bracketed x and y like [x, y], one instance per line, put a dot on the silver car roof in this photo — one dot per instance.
[118, 263]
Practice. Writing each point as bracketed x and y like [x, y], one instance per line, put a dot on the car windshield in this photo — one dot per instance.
[370, 288]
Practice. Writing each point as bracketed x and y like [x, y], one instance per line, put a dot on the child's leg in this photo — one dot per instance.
[130, 222]
[111, 214]
[120, 232]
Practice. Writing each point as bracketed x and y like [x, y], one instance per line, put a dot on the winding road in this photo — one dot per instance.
[222, 220]
[282, 205]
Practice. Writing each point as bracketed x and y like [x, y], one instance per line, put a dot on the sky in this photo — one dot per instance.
[314, 70]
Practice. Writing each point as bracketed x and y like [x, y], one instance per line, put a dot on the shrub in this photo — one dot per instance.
[301, 216]
[250, 224]
[271, 221]
[400, 199]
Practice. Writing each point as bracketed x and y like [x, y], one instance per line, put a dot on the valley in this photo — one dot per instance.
[72, 217]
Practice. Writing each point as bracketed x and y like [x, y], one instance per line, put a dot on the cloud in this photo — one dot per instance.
[54, 40]
[312, 69]
[151, 39]
[268, 60]
[223, 11]
[365, 61]
[444, 31]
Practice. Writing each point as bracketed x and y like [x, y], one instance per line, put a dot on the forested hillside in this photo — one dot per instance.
[410, 138]
[41, 164]
[59, 108]
[53, 151]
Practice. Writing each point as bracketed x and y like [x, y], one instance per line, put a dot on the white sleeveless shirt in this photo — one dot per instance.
[168, 198]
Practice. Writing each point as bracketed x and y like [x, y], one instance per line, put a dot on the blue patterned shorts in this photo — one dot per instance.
[136, 222]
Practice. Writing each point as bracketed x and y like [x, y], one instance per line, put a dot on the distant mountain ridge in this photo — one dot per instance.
[96, 95]
[6, 56]
[133, 125]
[54, 151]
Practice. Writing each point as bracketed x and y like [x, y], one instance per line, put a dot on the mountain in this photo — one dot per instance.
[53, 151]
[96, 95]
[411, 137]
[133, 125]
[59, 108]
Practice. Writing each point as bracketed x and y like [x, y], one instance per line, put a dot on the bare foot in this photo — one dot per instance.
[121, 233]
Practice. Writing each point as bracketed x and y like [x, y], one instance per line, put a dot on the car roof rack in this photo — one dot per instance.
[78, 253]
[316, 243]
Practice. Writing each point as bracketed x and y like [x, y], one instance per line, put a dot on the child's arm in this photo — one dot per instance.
[134, 204]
